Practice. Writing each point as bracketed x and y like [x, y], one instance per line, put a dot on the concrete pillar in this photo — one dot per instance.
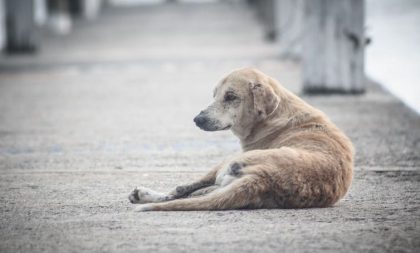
[40, 12]
[59, 18]
[88, 9]
[269, 18]
[266, 15]
[2, 25]
[289, 27]
[333, 46]
[21, 32]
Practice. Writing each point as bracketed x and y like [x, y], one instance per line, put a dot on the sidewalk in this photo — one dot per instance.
[110, 107]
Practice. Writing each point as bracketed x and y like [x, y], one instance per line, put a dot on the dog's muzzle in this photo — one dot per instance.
[207, 123]
[202, 121]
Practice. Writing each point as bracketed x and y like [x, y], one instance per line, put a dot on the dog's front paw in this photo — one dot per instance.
[134, 196]
[141, 195]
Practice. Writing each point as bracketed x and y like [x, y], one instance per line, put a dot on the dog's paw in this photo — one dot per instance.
[140, 195]
[235, 169]
[143, 195]
[134, 196]
[144, 208]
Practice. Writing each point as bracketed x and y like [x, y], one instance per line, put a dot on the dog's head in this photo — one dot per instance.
[241, 99]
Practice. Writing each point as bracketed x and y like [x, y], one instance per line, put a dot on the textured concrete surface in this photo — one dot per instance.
[111, 106]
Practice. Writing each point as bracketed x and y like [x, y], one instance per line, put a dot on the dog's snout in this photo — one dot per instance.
[206, 121]
[200, 119]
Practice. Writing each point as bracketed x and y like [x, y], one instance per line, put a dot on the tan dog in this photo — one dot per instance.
[294, 156]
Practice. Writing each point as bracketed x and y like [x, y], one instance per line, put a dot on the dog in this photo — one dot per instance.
[293, 155]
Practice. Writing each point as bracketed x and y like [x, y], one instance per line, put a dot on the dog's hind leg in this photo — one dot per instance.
[244, 192]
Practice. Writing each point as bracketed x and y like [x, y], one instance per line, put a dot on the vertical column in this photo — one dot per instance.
[289, 25]
[21, 32]
[333, 46]
[2, 25]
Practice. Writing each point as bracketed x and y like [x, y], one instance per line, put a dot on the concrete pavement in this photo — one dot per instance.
[110, 107]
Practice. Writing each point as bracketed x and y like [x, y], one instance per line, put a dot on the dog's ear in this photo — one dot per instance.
[265, 100]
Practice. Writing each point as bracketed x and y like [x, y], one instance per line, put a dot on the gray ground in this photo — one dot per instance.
[111, 106]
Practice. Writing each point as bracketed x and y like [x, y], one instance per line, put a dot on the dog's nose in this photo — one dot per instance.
[200, 120]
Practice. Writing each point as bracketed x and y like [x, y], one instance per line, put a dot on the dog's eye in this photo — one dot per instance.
[230, 97]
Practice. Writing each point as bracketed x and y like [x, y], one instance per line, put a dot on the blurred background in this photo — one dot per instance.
[28, 27]
[99, 96]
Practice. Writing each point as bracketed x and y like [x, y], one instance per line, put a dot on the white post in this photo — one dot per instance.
[2, 25]
[91, 8]
[333, 46]
[21, 32]
[40, 12]
[289, 26]
[266, 14]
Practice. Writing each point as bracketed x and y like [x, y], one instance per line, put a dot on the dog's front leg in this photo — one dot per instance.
[143, 195]
[206, 181]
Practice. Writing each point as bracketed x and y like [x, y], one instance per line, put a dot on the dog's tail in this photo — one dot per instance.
[242, 193]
